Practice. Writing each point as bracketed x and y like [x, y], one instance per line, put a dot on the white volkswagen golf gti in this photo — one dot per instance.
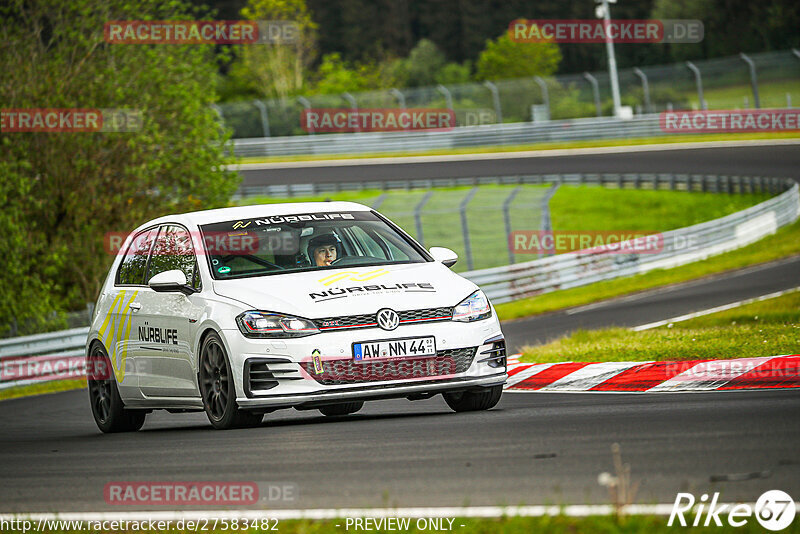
[243, 311]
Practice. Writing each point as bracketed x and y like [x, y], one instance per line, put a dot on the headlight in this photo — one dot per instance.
[274, 325]
[473, 308]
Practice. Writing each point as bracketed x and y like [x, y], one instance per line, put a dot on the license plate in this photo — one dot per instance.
[418, 347]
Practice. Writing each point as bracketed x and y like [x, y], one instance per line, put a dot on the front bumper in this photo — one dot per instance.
[372, 391]
[286, 375]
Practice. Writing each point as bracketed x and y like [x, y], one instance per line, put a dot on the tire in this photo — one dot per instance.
[471, 401]
[217, 388]
[107, 407]
[341, 409]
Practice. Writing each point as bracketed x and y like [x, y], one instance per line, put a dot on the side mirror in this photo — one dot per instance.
[444, 255]
[170, 281]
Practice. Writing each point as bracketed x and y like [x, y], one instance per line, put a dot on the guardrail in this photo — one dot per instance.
[465, 136]
[658, 181]
[686, 245]
[30, 359]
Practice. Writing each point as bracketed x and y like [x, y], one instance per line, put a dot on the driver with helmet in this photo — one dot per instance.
[323, 249]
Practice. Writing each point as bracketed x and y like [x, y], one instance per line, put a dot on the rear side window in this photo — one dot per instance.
[173, 250]
[134, 264]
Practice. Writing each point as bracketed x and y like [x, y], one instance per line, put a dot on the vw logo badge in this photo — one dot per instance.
[388, 319]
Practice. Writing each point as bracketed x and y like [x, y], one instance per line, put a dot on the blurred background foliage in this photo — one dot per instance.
[61, 194]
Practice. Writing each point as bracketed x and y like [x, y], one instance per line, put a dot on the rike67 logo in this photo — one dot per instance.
[774, 510]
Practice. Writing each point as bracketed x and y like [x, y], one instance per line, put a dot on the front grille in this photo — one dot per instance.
[347, 371]
[262, 374]
[496, 355]
[259, 377]
[367, 320]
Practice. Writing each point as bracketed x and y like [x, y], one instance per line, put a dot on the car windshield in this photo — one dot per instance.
[304, 242]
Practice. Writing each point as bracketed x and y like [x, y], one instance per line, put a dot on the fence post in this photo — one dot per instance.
[378, 201]
[495, 100]
[753, 78]
[645, 88]
[418, 216]
[545, 93]
[401, 98]
[447, 96]
[547, 223]
[699, 81]
[507, 220]
[596, 91]
[262, 108]
[464, 227]
[307, 105]
[353, 105]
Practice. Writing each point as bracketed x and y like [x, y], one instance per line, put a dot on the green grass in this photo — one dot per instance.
[598, 208]
[767, 328]
[52, 386]
[772, 95]
[503, 525]
[596, 143]
[786, 242]
[572, 208]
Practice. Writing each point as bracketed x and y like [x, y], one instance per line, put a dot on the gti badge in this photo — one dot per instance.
[388, 319]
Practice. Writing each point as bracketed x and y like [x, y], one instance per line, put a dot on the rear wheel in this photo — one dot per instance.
[341, 409]
[471, 401]
[107, 408]
[217, 389]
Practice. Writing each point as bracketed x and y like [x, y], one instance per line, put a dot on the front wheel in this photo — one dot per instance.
[107, 408]
[218, 391]
[471, 401]
[344, 408]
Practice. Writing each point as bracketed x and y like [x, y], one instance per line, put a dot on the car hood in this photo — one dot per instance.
[350, 290]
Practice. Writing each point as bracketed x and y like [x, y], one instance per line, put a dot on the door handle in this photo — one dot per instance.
[135, 306]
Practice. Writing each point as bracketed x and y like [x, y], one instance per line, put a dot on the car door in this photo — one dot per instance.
[117, 331]
[165, 323]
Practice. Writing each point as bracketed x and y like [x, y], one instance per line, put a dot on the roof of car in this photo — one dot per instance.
[259, 210]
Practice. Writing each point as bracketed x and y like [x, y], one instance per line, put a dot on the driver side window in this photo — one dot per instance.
[173, 250]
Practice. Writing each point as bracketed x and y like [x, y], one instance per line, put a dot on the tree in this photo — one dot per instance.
[336, 76]
[770, 26]
[427, 65]
[504, 58]
[62, 193]
[278, 70]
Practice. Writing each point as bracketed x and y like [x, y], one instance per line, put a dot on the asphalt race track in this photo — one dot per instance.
[757, 160]
[531, 449]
